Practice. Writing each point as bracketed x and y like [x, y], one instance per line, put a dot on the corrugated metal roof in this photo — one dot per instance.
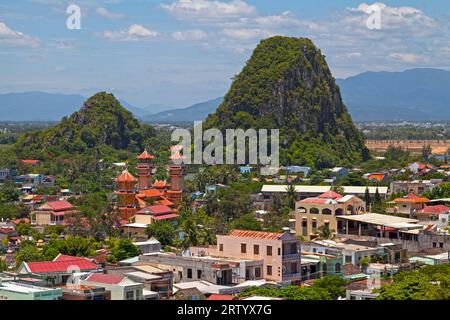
[255, 234]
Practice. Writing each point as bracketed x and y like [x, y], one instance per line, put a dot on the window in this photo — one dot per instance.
[434, 244]
[199, 274]
[269, 270]
[326, 211]
[337, 268]
[441, 245]
[257, 272]
[314, 224]
[189, 273]
[137, 295]
[243, 248]
[255, 249]
[348, 259]
[221, 247]
[269, 250]
[180, 274]
[279, 251]
[129, 295]
[314, 211]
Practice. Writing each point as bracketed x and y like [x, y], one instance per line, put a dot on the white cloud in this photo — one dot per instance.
[207, 10]
[190, 35]
[135, 32]
[246, 34]
[11, 38]
[407, 57]
[108, 14]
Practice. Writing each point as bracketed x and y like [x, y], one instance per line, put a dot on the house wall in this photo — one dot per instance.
[42, 218]
[143, 218]
[321, 218]
[232, 248]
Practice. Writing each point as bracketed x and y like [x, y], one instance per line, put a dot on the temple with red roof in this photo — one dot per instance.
[138, 199]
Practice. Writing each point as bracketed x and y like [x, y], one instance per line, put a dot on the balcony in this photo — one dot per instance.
[291, 276]
[292, 256]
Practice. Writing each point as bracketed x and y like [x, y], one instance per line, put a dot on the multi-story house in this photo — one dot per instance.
[313, 213]
[280, 253]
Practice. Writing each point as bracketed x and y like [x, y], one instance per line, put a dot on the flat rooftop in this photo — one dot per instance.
[323, 189]
[381, 219]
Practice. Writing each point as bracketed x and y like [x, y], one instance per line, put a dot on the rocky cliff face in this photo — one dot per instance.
[287, 84]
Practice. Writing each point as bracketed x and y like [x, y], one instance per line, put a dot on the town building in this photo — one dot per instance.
[313, 213]
[384, 229]
[280, 253]
[408, 205]
[59, 271]
[53, 213]
[21, 291]
[415, 186]
[121, 288]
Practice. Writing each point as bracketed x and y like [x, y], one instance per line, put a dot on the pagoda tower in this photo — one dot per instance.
[126, 194]
[145, 170]
[176, 174]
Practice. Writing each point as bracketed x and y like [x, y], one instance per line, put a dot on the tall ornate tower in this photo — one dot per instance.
[145, 170]
[176, 174]
[126, 191]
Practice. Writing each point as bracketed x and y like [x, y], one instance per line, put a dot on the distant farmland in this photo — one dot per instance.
[415, 146]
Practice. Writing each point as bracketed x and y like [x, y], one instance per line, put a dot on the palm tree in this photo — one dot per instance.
[291, 196]
[325, 232]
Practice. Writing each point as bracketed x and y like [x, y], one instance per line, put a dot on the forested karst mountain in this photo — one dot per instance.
[287, 84]
[101, 125]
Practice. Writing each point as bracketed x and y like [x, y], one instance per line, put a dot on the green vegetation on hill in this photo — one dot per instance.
[101, 126]
[287, 84]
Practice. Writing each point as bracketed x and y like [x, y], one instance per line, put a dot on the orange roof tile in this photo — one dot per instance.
[150, 193]
[254, 234]
[145, 155]
[412, 198]
[126, 177]
[378, 177]
[159, 184]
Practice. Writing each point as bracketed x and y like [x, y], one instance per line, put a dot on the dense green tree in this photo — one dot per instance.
[163, 231]
[124, 249]
[246, 222]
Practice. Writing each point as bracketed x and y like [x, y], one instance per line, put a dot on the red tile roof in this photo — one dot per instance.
[314, 200]
[150, 193]
[32, 162]
[61, 266]
[105, 278]
[165, 201]
[145, 155]
[438, 209]
[125, 176]
[255, 234]
[156, 210]
[330, 195]
[57, 206]
[166, 216]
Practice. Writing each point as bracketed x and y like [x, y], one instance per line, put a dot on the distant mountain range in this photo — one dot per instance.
[196, 112]
[413, 95]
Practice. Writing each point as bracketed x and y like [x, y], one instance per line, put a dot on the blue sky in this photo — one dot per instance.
[179, 52]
